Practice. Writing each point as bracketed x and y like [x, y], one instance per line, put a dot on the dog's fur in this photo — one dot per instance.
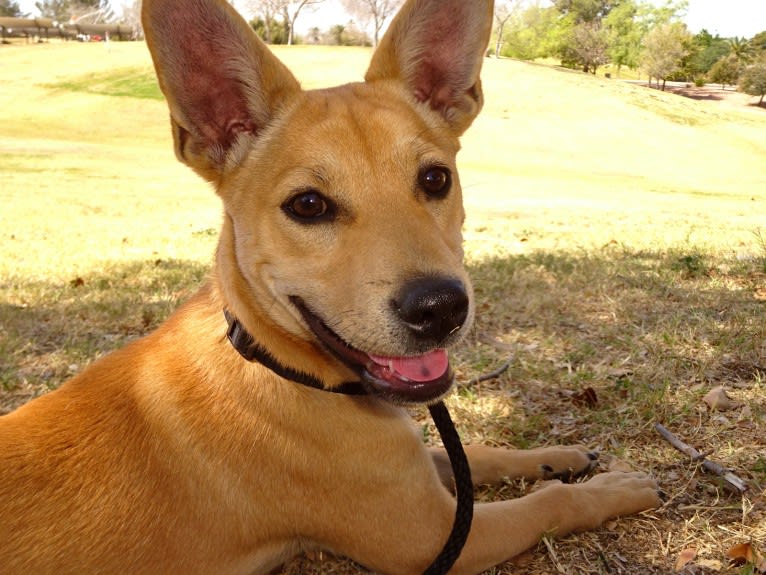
[174, 454]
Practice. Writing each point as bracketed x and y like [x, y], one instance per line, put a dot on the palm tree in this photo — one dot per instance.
[742, 49]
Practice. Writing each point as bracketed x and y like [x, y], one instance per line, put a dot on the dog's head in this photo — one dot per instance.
[341, 249]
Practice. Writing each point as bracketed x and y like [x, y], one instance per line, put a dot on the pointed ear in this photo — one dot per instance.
[436, 48]
[221, 82]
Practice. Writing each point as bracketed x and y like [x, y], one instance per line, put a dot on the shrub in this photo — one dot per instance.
[725, 71]
[753, 80]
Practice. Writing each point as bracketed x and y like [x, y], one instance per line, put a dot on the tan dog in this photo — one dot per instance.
[341, 255]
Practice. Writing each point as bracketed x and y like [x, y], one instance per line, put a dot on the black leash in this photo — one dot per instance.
[248, 348]
[463, 489]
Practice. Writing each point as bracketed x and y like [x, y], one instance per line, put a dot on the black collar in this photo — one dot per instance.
[248, 348]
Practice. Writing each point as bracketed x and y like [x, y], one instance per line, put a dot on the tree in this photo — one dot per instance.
[528, 34]
[705, 50]
[10, 8]
[58, 10]
[753, 80]
[265, 23]
[274, 32]
[504, 10]
[86, 11]
[379, 11]
[742, 49]
[668, 13]
[287, 10]
[725, 71]
[664, 50]
[589, 46]
[131, 16]
[291, 9]
[93, 12]
[759, 42]
[582, 36]
[585, 10]
[623, 35]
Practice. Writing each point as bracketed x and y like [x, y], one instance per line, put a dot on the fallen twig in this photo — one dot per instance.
[729, 478]
[493, 374]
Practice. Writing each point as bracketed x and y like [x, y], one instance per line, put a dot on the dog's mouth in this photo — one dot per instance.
[420, 378]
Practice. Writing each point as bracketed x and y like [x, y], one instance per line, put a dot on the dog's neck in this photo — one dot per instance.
[251, 350]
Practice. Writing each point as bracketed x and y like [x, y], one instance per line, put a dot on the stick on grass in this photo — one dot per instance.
[710, 466]
[494, 373]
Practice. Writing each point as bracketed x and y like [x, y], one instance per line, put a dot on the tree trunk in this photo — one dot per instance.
[289, 26]
[499, 43]
[761, 100]
[267, 25]
[663, 84]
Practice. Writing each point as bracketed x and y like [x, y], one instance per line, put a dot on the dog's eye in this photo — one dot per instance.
[309, 206]
[435, 181]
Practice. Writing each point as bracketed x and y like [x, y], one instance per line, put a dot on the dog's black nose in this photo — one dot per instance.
[433, 308]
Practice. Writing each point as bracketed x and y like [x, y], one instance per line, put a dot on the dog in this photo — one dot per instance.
[339, 277]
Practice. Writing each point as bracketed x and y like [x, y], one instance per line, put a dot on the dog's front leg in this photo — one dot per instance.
[400, 530]
[502, 530]
[492, 465]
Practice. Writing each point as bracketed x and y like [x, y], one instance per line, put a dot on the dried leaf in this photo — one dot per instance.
[743, 553]
[685, 557]
[717, 399]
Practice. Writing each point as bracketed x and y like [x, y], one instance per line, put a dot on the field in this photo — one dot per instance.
[616, 236]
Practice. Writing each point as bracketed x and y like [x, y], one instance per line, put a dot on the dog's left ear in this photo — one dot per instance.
[436, 48]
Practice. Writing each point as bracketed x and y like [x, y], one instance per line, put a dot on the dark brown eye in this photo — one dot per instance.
[309, 206]
[435, 181]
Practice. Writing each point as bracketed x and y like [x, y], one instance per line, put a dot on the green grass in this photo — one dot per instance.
[126, 82]
[615, 236]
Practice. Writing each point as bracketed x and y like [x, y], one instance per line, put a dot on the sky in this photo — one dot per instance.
[741, 18]
[727, 18]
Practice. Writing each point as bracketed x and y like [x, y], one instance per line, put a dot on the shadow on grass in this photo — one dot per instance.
[697, 94]
[670, 316]
[50, 330]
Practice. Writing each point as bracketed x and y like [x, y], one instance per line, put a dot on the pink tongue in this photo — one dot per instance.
[426, 367]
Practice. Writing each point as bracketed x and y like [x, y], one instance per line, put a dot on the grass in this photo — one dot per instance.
[615, 236]
[138, 82]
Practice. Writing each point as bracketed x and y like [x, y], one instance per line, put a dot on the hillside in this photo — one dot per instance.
[552, 150]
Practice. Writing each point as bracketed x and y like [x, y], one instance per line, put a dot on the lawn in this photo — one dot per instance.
[616, 236]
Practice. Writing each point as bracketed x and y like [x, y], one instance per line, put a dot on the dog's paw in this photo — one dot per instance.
[617, 493]
[566, 463]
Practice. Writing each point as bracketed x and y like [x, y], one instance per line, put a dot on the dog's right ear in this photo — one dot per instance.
[222, 83]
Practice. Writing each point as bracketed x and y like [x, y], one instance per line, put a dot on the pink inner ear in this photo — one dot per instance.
[198, 51]
[444, 57]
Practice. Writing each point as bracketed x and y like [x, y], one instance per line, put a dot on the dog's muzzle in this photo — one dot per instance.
[433, 311]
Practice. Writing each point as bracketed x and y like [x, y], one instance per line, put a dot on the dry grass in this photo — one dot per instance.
[615, 237]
